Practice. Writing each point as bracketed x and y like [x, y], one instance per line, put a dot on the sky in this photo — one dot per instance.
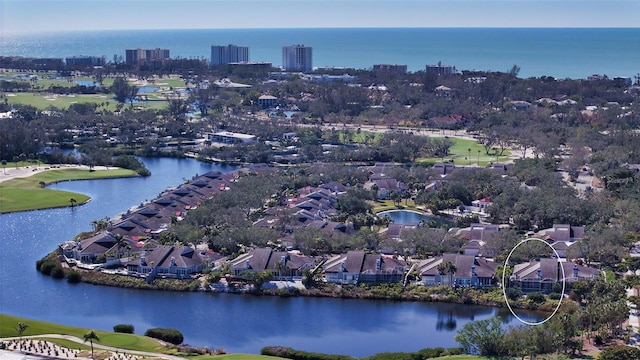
[20, 16]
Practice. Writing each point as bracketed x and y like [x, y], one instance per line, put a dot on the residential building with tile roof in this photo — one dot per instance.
[470, 271]
[356, 267]
[282, 264]
[540, 275]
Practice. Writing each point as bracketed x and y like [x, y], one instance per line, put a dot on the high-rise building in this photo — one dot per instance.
[440, 69]
[225, 54]
[144, 56]
[297, 57]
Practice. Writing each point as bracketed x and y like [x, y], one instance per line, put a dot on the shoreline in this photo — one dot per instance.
[30, 196]
[394, 292]
[22, 171]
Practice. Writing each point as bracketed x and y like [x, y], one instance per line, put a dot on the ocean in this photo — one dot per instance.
[558, 52]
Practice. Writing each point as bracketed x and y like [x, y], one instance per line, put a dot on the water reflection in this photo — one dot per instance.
[236, 323]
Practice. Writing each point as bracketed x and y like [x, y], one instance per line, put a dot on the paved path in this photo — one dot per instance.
[118, 353]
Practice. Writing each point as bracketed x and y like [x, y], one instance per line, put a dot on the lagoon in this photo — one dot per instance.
[237, 323]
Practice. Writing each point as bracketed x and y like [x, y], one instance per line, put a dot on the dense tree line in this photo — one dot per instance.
[598, 317]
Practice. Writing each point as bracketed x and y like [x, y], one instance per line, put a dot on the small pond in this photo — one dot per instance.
[147, 89]
[405, 216]
[87, 83]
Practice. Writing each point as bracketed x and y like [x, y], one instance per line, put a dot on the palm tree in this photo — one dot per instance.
[119, 242]
[451, 270]
[90, 336]
[20, 329]
[442, 268]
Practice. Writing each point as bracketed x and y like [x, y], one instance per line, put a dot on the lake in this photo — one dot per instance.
[236, 323]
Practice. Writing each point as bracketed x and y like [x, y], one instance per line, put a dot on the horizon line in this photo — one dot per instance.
[7, 32]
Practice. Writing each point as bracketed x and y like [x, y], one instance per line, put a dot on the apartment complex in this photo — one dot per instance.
[146, 56]
[390, 68]
[226, 54]
[85, 61]
[440, 69]
[297, 57]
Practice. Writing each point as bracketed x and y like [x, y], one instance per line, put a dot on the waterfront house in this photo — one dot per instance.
[357, 267]
[283, 265]
[469, 271]
[169, 261]
[89, 249]
[540, 275]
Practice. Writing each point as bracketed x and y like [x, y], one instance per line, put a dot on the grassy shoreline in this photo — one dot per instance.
[127, 342]
[123, 341]
[30, 193]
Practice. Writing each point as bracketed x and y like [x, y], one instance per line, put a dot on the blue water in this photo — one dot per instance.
[404, 216]
[87, 83]
[147, 89]
[237, 323]
[560, 52]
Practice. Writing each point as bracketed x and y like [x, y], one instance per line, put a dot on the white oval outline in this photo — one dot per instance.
[504, 291]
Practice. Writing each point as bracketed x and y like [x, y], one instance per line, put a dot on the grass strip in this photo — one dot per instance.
[27, 193]
[119, 340]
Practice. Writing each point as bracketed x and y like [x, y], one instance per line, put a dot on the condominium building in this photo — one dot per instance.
[440, 69]
[390, 68]
[85, 61]
[225, 54]
[144, 56]
[297, 57]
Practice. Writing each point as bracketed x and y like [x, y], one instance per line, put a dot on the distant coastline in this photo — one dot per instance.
[556, 52]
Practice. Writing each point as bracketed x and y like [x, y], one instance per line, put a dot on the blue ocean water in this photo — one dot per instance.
[558, 52]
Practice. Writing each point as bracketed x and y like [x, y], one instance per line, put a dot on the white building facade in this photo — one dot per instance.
[297, 57]
[225, 54]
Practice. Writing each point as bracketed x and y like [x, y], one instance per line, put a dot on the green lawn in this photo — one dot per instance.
[43, 101]
[119, 340]
[124, 341]
[463, 151]
[359, 137]
[67, 343]
[468, 152]
[23, 194]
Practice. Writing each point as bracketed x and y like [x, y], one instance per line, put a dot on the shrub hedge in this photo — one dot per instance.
[289, 353]
[172, 336]
[428, 353]
[123, 328]
[74, 277]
